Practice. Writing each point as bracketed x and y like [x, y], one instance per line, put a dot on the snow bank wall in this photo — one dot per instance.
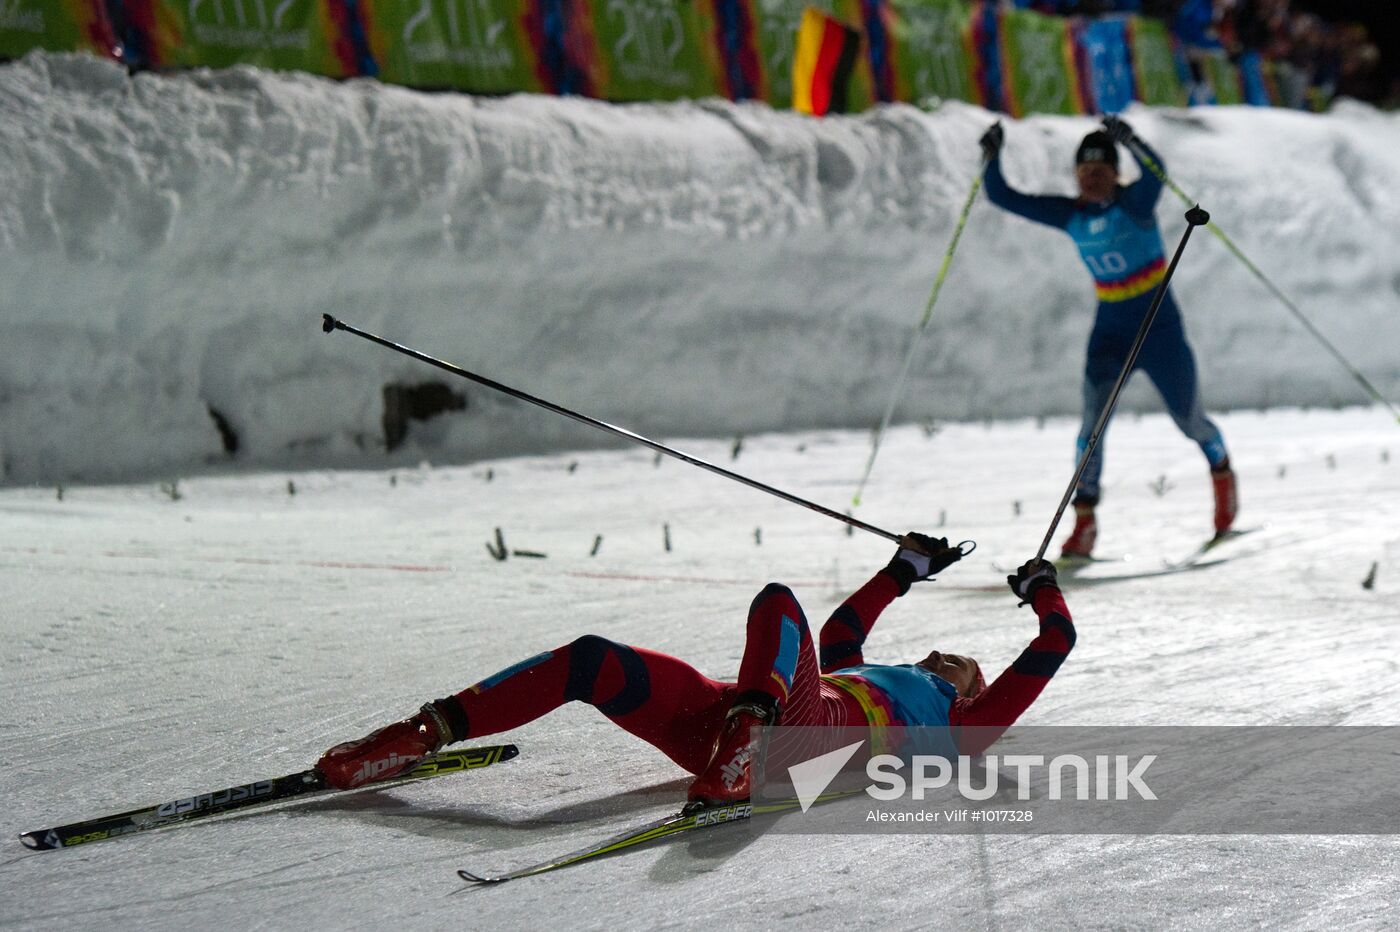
[168, 244]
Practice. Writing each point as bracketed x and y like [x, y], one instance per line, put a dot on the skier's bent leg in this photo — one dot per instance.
[660, 699]
[776, 635]
[1171, 365]
[779, 681]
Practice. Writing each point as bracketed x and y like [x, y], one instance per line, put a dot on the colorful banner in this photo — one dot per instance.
[481, 46]
[1223, 77]
[1016, 61]
[932, 46]
[1037, 64]
[776, 23]
[1105, 65]
[986, 54]
[1155, 73]
[653, 49]
[59, 25]
[741, 70]
[288, 35]
[826, 53]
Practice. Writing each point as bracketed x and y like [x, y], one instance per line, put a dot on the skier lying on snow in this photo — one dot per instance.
[704, 725]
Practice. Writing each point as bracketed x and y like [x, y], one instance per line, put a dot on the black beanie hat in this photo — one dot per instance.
[1098, 146]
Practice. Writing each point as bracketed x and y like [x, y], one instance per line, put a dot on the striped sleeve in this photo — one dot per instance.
[844, 633]
[993, 710]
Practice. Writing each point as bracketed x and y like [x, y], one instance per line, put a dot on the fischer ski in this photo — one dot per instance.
[250, 795]
[708, 817]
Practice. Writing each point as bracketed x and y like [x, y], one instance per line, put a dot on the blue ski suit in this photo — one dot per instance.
[1122, 248]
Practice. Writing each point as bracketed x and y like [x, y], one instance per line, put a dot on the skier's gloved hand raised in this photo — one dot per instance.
[1032, 576]
[1118, 129]
[991, 141]
[924, 555]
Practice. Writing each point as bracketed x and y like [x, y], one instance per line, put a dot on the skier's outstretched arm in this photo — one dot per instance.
[1051, 210]
[844, 633]
[995, 708]
[1140, 197]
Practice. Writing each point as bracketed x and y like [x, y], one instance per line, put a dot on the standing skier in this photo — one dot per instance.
[1116, 231]
[705, 725]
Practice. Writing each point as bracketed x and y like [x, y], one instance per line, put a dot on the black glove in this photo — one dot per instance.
[924, 555]
[1030, 577]
[991, 141]
[1121, 132]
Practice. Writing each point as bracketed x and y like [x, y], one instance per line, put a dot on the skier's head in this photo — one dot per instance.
[1096, 166]
[962, 672]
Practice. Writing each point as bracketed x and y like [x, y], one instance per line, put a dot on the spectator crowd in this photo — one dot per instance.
[1312, 59]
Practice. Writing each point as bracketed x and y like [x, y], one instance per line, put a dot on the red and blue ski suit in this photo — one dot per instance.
[672, 706]
[1122, 247]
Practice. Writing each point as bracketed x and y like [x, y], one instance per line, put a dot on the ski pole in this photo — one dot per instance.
[329, 323]
[1365, 383]
[1194, 217]
[918, 336]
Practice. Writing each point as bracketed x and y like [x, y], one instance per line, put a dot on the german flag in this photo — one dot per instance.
[822, 63]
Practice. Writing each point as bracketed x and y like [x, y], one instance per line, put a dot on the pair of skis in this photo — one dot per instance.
[264, 793]
[1091, 571]
[258, 794]
[686, 821]
[1080, 570]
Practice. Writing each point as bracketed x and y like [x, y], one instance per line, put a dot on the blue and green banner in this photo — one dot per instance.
[287, 35]
[1014, 60]
[1155, 75]
[1223, 78]
[933, 51]
[480, 46]
[57, 25]
[653, 49]
[1038, 69]
[1105, 65]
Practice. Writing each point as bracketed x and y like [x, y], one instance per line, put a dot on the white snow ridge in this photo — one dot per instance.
[169, 243]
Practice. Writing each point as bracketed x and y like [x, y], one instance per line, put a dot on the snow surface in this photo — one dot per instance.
[159, 647]
[690, 271]
[169, 243]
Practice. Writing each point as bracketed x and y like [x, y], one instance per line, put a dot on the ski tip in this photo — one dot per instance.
[33, 841]
[469, 877]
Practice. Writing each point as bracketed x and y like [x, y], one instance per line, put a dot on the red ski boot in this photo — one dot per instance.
[728, 777]
[1227, 498]
[1080, 543]
[381, 754]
